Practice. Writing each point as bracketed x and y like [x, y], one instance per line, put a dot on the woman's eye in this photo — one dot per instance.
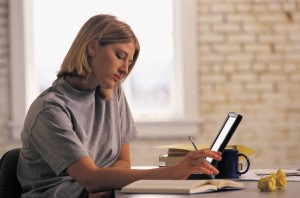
[119, 55]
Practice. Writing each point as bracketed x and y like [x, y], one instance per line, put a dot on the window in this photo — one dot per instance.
[148, 88]
[177, 107]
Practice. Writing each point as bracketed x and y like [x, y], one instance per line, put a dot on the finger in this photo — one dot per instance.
[205, 169]
[206, 165]
[196, 161]
[203, 154]
[209, 153]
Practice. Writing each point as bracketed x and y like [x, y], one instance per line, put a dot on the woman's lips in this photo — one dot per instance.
[117, 77]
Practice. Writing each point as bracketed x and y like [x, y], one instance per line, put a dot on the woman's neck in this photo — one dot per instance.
[80, 83]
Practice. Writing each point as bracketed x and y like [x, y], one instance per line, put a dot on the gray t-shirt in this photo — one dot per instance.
[62, 126]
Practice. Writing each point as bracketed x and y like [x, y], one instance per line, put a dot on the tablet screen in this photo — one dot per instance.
[231, 122]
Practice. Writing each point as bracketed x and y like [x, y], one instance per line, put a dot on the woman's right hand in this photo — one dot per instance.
[195, 162]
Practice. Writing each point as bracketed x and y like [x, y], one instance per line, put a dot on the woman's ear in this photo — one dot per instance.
[92, 47]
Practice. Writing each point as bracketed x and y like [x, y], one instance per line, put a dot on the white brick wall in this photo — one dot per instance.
[261, 59]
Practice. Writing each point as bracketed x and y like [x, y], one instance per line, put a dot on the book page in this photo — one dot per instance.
[228, 184]
[169, 186]
[204, 189]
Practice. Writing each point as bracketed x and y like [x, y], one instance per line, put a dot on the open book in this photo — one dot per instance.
[181, 186]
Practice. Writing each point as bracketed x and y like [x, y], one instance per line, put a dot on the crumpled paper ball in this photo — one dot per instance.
[281, 179]
[273, 182]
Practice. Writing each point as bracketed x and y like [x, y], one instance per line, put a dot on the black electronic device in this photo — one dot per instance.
[225, 133]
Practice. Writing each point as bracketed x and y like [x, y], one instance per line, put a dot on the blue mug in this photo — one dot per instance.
[229, 165]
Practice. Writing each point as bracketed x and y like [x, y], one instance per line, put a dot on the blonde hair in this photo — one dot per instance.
[106, 29]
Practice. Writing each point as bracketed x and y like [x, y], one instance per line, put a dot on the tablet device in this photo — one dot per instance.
[225, 133]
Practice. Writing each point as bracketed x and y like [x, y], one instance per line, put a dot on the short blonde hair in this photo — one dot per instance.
[106, 29]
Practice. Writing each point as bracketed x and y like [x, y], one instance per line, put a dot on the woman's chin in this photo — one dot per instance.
[108, 85]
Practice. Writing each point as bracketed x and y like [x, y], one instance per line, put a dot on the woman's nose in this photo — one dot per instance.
[124, 68]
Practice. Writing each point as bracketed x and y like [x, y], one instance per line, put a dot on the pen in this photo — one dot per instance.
[193, 143]
[196, 149]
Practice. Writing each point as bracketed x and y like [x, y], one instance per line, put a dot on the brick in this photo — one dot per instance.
[275, 68]
[287, 47]
[294, 38]
[229, 67]
[215, 78]
[203, 8]
[296, 17]
[243, 7]
[295, 57]
[211, 38]
[241, 17]
[269, 38]
[259, 8]
[290, 6]
[269, 58]
[251, 28]
[295, 77]
[226, 28]
[290, 68]
[257, 47]
[238, 58]
[204, 49]
[259, 86]
[274, 7]
[247, 38]
[222, 7]
[286, 28]
[204, 70]
[244, 67]
[209, 19]
[271, 18]
[204, 29]
[243, 77]
[226, 48]
[210, 58]
[259, 67]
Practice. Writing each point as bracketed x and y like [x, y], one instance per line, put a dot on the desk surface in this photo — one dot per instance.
[251, 191]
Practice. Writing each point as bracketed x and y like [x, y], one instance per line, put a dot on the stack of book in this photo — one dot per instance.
[177, 151]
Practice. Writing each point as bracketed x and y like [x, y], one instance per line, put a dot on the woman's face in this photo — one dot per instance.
[110, 63]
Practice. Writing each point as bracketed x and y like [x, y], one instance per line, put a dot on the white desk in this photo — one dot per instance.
[251, 191]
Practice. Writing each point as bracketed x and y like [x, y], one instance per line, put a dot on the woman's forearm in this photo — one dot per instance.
[121, 164]
[96, 179]
[116, 178]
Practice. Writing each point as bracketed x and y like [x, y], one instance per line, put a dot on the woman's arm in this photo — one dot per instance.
[124, 159]
[95, 179]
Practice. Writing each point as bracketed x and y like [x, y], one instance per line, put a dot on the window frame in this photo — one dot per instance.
[23, 74]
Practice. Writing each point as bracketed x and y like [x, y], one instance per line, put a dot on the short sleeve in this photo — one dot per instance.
[128, 128]
[53, 137]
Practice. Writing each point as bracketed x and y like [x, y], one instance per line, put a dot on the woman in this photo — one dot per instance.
[76, 134]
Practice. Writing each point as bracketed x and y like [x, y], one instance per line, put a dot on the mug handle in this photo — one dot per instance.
[248, 164]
